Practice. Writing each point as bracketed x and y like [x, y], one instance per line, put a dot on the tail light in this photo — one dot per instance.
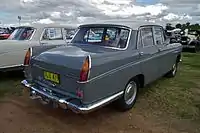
[85, 70]
[27, 57]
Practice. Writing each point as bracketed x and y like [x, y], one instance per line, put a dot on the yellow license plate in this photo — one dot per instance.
[52, 77]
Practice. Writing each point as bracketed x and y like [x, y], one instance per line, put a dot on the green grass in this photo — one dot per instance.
[179, 96]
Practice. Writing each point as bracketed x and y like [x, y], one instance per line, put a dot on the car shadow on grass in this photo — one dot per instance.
[10, 82]
[11, 75]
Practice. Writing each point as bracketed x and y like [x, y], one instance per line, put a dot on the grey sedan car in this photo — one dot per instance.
[105, 62]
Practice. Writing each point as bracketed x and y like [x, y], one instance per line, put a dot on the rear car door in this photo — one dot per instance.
[166, 56]
[148, 53]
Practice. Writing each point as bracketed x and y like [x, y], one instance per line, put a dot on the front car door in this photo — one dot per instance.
[166, 54]
[148, 54]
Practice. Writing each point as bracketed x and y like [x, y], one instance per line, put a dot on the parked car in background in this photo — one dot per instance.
[13, 50]
[190, 41]
[104, 62]
[4, 33]
[174, 35]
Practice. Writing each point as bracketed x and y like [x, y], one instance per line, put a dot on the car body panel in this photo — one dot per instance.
[12, 52]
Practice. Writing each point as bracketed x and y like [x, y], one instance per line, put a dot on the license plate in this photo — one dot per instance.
[52, 77]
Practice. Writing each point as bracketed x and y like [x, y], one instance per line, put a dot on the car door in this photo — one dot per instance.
[165, 51]
[148, 54]
[52, 36]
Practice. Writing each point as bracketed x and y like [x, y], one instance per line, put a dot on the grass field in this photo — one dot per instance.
[178, 97]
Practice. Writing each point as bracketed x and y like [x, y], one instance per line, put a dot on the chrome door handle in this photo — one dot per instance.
[141, 53]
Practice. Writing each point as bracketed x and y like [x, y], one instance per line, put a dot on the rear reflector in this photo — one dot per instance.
[79, 93]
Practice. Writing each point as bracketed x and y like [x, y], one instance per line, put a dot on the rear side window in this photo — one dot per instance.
[22, 33]
[52, 34]
[147, 36]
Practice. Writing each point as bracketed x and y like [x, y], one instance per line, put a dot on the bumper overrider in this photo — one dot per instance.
[36, 93]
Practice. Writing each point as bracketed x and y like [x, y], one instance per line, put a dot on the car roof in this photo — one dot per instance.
[54, 25]
[126, 23]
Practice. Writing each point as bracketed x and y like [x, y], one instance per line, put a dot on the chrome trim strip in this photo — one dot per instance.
[12, 66]
[75, 108]
[31, 50]
[74, 35]
[32, 34]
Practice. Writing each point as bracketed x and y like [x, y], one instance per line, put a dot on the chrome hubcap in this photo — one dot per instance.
[174, 69]
[130, 93]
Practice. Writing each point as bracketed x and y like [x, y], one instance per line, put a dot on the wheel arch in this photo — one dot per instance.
[140, 79]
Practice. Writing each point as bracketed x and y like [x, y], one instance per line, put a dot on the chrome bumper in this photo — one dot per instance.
[188, 46]
[63, 103]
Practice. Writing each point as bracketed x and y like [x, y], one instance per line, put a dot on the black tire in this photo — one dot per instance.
[123, 103]
[197, 48]
[173, 71]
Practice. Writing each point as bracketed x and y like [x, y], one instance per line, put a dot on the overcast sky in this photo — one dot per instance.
[78, 11]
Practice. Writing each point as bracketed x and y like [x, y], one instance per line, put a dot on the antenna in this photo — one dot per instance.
[19, 18]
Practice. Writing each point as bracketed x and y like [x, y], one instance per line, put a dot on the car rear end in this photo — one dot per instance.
[62, 85]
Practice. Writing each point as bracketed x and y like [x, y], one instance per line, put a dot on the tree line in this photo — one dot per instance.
[188, 25]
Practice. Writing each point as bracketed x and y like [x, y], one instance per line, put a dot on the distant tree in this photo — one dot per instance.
[169, 26]
[183, 27]
[178, 26]
[197, 24]
[188, 24]
[194, 27]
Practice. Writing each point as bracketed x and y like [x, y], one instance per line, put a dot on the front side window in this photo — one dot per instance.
[147, 36]
[22, 33]
[52, 34]
[159, 36]
[103, 36]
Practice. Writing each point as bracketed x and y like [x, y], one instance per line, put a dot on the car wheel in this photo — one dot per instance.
[173, 71]
[197, 48]
[127, 101]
